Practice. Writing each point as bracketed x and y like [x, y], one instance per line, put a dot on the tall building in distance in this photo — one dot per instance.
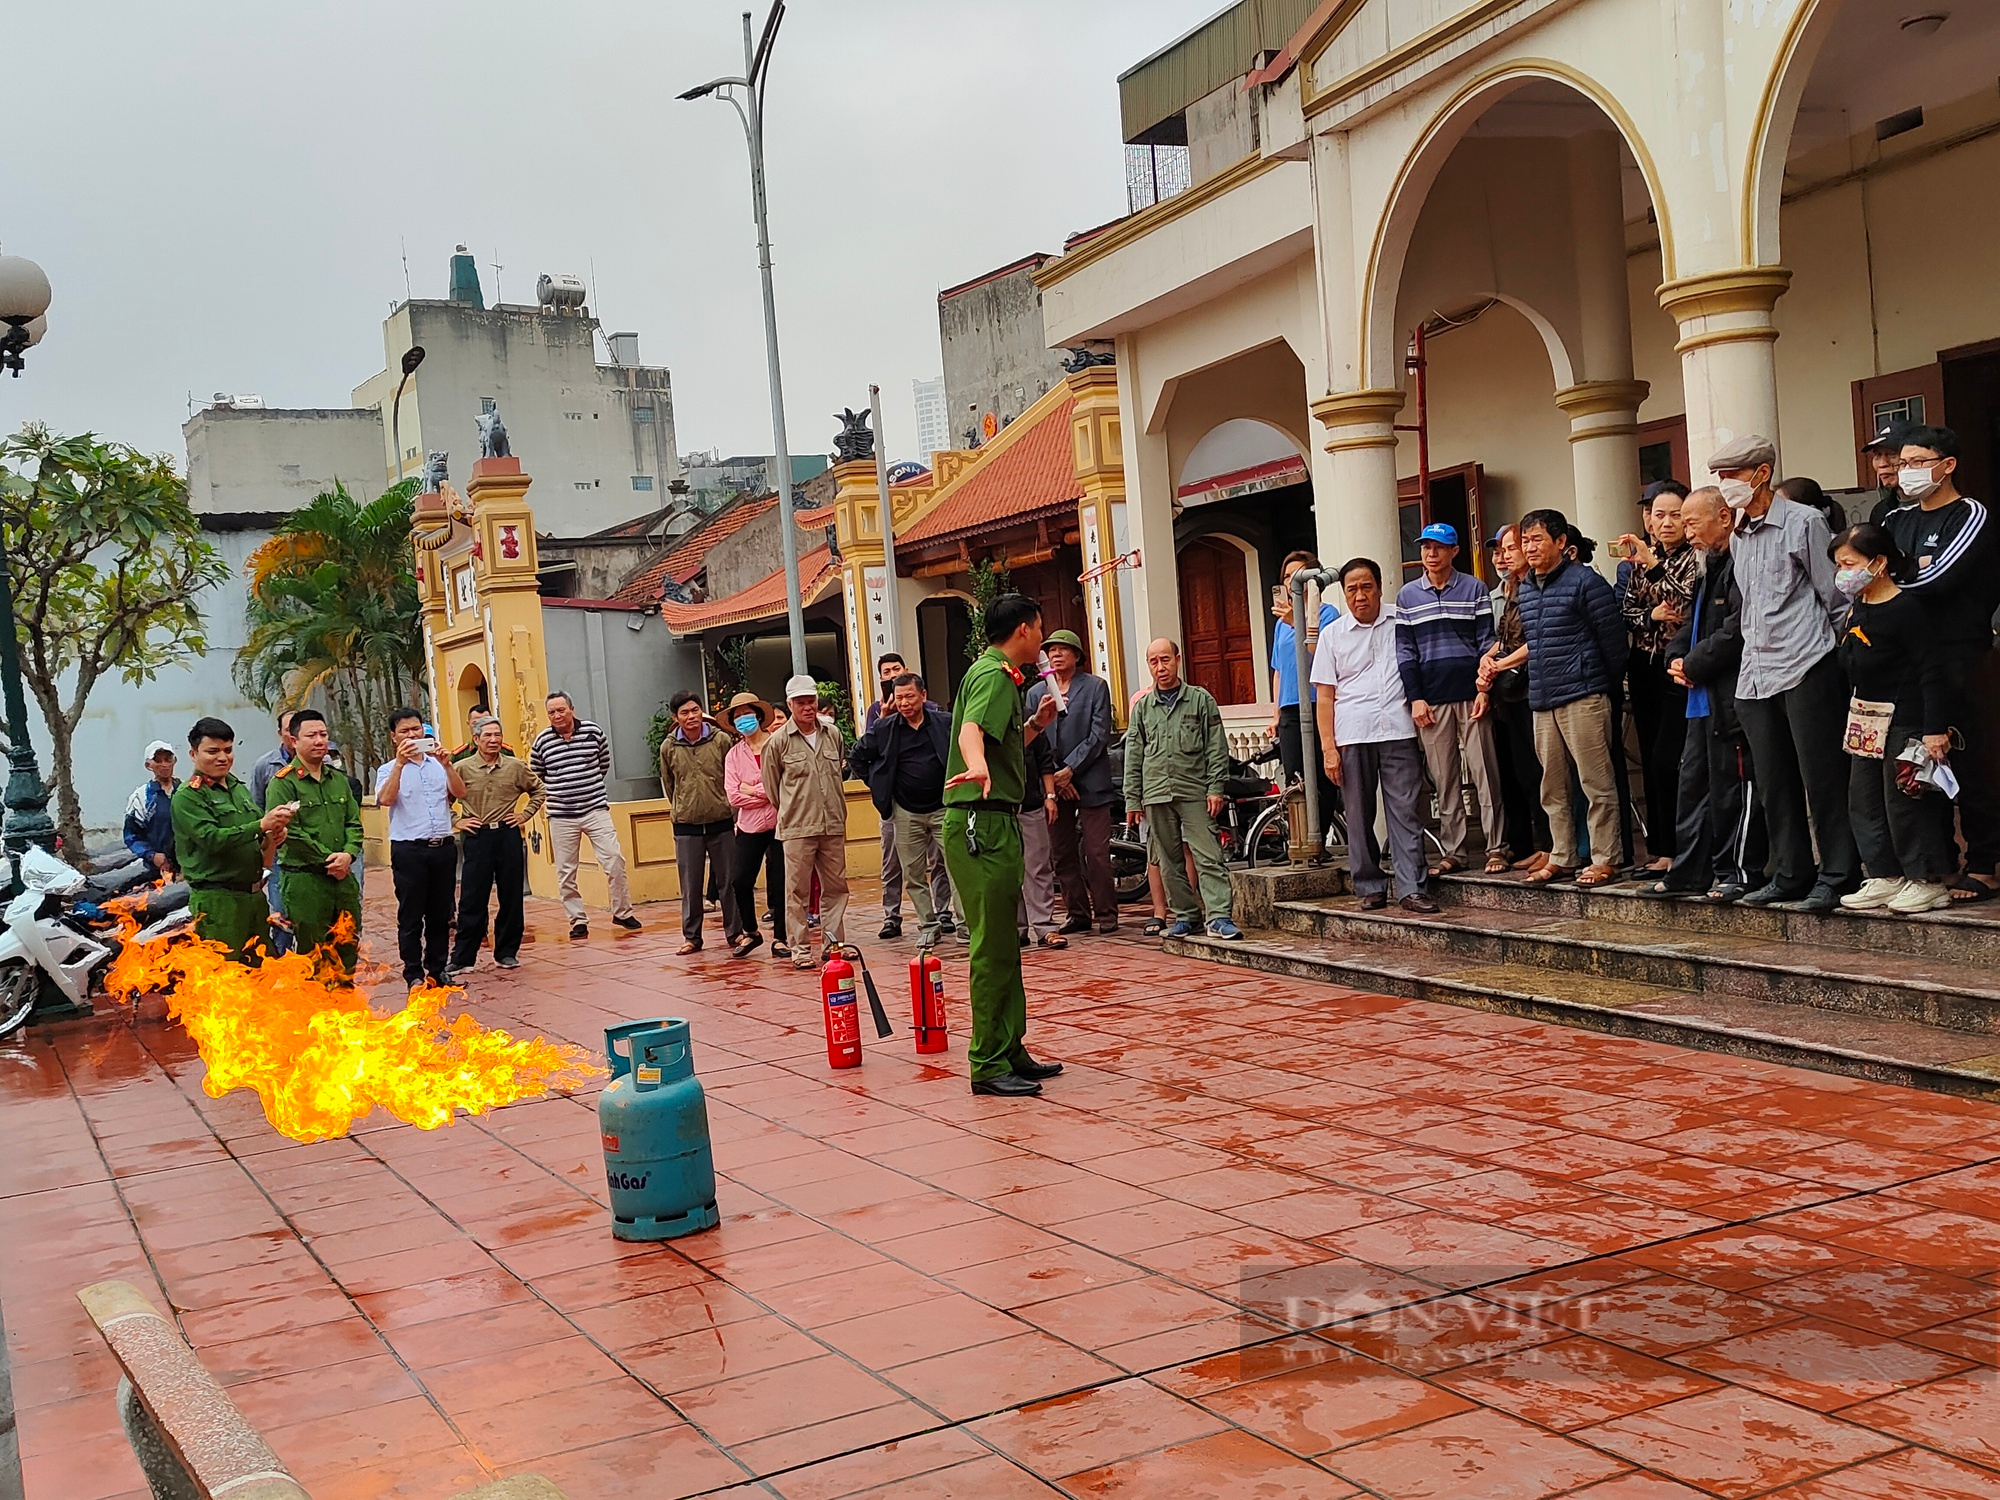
[933, 418]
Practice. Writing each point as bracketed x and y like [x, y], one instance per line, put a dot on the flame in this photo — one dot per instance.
[319, 1055]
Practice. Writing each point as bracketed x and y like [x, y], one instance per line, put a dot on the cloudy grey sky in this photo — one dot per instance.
[220, 191]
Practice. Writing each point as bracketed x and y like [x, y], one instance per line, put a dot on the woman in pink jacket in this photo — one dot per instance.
[756, 826]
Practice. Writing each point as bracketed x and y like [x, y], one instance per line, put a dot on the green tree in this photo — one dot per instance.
[106, 559]
[333, 607]
[989, 581]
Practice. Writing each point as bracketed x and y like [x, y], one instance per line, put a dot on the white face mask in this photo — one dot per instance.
[1916, 483]
[1736, 493]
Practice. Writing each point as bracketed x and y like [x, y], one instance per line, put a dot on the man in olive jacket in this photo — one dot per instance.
[805, 777]
[225, 843]
[1176, 757]
[316, 862]
[704, 823]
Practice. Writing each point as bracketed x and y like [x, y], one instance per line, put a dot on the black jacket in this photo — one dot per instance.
[873, 758]
[1710, 659]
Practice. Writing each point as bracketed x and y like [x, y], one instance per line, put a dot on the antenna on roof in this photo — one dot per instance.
[408, 295]
[593, 287]
[497, 268]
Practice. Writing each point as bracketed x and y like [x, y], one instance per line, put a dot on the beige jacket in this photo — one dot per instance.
[806, 781]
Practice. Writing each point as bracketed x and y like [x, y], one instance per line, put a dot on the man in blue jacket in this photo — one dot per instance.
[1576, 656]
[902, 758]
[149, 817]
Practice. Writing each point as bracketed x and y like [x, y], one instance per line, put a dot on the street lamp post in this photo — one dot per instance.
[412, 357]
[24, 299]
[756, 60]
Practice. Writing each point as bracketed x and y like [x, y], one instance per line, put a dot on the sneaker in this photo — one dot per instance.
[1179, 929]
[506, 963]
[1918, 896]
[630, 924]
[947, 924]
[1225, 929]
[578, 931]
[1874, 894]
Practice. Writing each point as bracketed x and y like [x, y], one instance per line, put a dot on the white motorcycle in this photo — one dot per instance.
[57, 944]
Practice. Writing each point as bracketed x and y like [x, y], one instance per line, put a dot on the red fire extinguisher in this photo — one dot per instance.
[843, 1014]
[927, 1001]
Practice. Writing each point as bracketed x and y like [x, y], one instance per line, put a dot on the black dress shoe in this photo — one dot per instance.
[890, 930]
[1074, 925]
[630, 924]
[1007, 1085]
[1037, 1070]
[1821, 898]
[1770, 895]
[1374, 900]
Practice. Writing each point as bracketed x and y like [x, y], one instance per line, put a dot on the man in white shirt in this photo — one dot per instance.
[417, 786]
[1369, 740]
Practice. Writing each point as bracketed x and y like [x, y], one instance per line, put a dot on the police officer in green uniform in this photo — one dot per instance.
[316, 864]
[986, 774]
[224, 841]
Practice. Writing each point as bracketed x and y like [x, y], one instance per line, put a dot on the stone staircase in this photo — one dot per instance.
[1904, 1000]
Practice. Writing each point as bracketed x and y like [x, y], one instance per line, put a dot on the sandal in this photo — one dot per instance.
[781, 950]
[1051, 940]
[1533, 862]
[1446, 866]
[1548, 874]
[1154, 926]
[1970, 890]
[1498, 864]
[746, 945]
[686, 948]
[1594, 875]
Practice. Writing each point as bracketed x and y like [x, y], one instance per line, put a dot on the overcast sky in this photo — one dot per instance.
[221, 192]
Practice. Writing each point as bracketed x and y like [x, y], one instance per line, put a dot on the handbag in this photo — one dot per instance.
[1867, 735]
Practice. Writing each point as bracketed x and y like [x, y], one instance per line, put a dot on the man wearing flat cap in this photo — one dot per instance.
[1885, 455]
[1791, 695]
[1080, 740]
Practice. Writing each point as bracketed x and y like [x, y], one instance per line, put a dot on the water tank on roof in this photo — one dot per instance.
[564, 294]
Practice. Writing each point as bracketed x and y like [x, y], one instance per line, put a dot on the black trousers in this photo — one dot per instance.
[1621, 777]
[712, 845]
[1802, 775]
[1899, 835]
[493, 857]
[1973, 682]
[1720, 839]
[1526, 825]
[1291, 755]
[424, 874]
[1659, 713]
[1081, 838]
[752, 850]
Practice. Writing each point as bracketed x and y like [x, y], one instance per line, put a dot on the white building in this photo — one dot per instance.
[933, 418]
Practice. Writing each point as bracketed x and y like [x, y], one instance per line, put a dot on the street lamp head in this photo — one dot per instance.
[412, 357]
[710, 87]
[24, 290]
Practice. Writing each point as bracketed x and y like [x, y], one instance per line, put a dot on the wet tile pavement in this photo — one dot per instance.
[1263, 1238]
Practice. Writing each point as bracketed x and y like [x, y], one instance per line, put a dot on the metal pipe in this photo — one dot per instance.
[1305, 636]
[753, 59]
[891, 615]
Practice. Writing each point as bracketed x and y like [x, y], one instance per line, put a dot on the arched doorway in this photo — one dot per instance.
[1217, 650]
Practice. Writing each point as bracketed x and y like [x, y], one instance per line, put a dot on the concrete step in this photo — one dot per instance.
[1885, 1048]
[1967, 935]
[1893, 986]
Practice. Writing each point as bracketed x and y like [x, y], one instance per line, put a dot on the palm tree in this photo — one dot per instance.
[333, 608]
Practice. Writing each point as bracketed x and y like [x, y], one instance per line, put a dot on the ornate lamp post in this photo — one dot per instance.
[24, 299]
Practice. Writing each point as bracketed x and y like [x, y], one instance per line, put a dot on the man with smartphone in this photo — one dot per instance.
[417, 787]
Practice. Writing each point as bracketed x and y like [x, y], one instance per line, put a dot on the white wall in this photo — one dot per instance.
[272, 460]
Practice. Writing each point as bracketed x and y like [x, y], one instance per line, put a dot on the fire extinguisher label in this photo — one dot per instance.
[611, 1143]
[843, 1017]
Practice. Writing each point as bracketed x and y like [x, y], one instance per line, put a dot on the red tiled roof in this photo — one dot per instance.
[687, 558]
[761, 601]
[1034, 471]
[1034, 259]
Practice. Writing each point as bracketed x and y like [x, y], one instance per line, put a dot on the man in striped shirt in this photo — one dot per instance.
[572, 758]
[1444, 623]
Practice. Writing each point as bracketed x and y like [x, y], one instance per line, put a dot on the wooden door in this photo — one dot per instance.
[1663, 450]
[1915, 396]
[1215, 619]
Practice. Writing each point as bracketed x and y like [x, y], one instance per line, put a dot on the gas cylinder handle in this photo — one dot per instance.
[666, 1054]
[621, 1061]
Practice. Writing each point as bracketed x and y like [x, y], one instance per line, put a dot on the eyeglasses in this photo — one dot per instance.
[1924, 463]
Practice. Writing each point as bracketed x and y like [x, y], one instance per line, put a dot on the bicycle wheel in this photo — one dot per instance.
[1269, 840]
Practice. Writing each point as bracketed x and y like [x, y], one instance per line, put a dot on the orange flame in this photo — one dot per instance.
[320, 1056]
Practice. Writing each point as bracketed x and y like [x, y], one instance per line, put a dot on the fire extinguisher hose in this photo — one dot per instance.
[882, 1026]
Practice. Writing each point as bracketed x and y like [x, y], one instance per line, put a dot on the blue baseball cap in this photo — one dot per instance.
[1438, 531]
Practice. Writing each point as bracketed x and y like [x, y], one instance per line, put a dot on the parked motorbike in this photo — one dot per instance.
[62, 931]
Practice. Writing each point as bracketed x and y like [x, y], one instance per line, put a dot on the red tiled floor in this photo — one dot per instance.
[1531, 1257]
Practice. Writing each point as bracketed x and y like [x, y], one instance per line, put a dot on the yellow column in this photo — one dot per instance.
[857, 516]
[1729, 365]
[1358, 519]
[1098, 451]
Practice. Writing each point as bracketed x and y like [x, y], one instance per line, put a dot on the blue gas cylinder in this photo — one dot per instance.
[654, 1120]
